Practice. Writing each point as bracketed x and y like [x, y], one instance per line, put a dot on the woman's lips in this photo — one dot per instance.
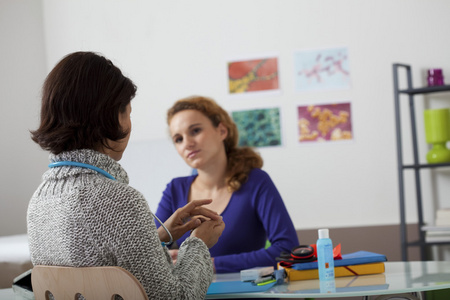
[192, 154]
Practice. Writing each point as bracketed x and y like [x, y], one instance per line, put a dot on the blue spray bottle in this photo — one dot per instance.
[325, 256]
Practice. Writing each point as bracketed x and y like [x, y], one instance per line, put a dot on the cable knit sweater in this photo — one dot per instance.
[78, 217]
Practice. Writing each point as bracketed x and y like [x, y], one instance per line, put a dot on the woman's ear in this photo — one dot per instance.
[223, 131]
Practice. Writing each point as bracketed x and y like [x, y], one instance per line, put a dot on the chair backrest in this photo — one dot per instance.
[91, 282]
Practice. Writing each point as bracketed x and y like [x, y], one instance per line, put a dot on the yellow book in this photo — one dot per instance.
[343, 284]
[362, 269]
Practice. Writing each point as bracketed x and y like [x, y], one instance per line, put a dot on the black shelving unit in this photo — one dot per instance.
[416, 167]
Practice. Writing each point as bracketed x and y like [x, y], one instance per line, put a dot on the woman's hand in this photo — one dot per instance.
[174, 255]
[187, 218]
[209, 231]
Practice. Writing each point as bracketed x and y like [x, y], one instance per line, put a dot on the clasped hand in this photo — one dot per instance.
[191, 216]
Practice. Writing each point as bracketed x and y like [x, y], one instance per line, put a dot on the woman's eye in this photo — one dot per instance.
[196, 130]
[177, 140]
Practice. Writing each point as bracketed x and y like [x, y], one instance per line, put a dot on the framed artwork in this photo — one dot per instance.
[258, 127]
[322, 69]
[253, 75]
[324, 123]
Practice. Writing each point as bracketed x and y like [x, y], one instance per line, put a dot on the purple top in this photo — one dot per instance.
[254, 214]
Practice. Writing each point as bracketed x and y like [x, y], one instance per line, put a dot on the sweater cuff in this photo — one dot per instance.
[196, 246]
[192, 240]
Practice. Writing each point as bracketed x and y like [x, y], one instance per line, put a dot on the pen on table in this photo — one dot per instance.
[264, 281]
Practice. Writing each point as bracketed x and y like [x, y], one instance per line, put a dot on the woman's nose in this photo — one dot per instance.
[189, 142]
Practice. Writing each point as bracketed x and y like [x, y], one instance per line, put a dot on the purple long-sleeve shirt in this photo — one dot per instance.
[254, 214]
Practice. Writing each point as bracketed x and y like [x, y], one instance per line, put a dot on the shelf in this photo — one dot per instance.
[425, 166]
[429, 243]
[427, 235]
[426, 90]
[436, 228]
[437, 240]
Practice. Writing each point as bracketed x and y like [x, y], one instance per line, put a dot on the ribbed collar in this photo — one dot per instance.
[86, 156]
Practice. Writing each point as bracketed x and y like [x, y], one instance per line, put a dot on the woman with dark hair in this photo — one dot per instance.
[84, 213]
[206, 138]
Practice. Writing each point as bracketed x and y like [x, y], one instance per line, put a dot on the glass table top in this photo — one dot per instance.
[399, 277]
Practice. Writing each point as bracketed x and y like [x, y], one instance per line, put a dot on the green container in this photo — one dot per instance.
[437, 133]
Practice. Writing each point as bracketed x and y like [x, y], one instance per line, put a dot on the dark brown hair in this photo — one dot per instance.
[81, 101]
[240, 160]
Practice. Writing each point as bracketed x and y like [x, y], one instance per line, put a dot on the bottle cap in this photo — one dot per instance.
[323, 234]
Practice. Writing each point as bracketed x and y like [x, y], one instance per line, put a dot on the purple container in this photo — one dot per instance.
[435, 77]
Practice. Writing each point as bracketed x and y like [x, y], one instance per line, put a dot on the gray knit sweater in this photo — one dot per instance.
[78, 217]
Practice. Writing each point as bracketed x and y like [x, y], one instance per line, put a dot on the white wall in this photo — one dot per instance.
[22, 71]
[173, 49]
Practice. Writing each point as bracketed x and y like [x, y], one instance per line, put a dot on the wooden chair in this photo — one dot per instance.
[91, 282]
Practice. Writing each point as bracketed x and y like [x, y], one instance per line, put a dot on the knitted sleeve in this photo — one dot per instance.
[123, 229]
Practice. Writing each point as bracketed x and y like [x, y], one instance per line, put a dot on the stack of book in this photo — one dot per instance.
[352, 264]
[443, 217]
[440, 232]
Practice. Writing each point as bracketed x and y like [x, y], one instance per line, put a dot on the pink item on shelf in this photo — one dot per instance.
[435, 77]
